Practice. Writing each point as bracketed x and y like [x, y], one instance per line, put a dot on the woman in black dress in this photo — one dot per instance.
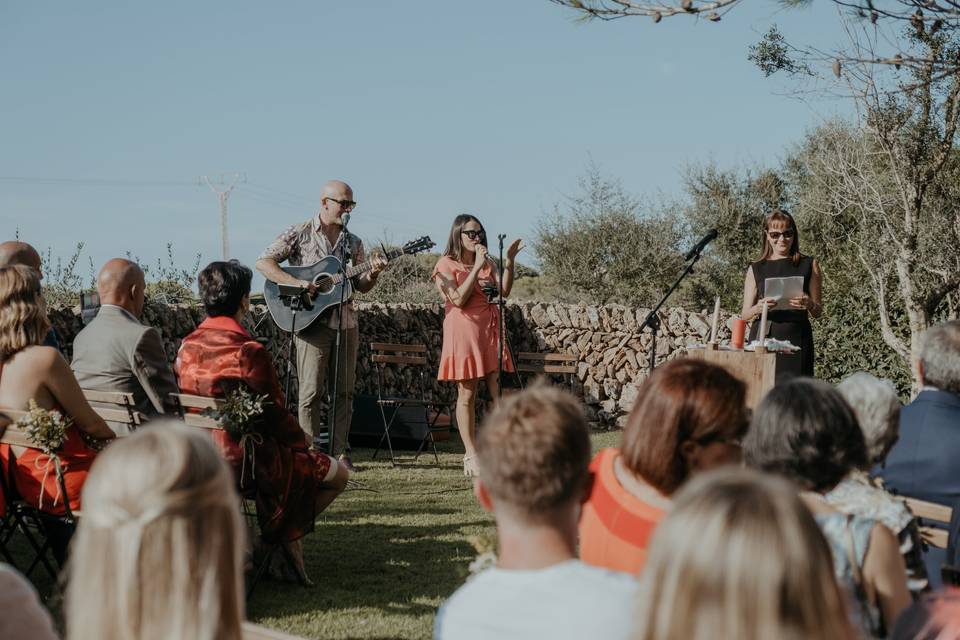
[781, 258]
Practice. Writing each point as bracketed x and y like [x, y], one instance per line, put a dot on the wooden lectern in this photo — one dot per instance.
[759, 371]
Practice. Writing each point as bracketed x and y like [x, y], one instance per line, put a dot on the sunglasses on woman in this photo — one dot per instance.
[775, 235]
[474, 234]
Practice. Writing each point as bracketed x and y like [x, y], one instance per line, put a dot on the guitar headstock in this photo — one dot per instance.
[423, 243]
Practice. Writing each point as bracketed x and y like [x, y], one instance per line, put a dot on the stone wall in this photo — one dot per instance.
[612, 353]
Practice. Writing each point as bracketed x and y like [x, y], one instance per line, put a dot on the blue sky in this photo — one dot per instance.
[427, 108]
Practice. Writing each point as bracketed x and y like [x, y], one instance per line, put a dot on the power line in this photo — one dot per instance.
[95, 182]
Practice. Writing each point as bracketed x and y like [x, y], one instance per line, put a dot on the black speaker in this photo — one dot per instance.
[408, 428]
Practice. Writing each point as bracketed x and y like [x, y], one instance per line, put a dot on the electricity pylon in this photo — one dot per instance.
[230, 180]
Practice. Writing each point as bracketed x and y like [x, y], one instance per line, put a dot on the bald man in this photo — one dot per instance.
[115, 352]
[302, 245]
[14, 252]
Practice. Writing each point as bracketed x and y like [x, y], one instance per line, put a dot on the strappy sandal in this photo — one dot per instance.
[470, 469]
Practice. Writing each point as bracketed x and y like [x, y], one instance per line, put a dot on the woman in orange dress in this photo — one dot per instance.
[31, 371]
[689, 417]
[471, 323]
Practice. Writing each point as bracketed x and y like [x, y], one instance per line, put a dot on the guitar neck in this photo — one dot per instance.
[363, 267]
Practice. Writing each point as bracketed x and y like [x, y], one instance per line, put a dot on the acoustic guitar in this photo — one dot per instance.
[330, 278]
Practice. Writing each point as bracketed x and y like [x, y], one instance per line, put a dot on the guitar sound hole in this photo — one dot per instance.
[324, 284]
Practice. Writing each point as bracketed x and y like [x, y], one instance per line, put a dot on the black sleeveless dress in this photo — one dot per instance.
[792, 325]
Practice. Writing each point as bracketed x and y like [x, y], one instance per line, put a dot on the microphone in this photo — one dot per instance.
[704, 241]
[345, 218]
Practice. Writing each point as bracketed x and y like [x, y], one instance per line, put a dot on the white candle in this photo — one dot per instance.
[716, 319]
[763, 326]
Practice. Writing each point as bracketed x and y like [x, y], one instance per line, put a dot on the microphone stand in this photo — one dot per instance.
[292, 297]
[344, 256]
[653, 320]
[501, 303]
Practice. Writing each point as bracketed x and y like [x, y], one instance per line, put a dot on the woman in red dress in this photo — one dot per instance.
[31, 371]
[471, 323]
[292, 484]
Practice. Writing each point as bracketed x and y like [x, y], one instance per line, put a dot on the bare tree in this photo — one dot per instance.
[884, 193]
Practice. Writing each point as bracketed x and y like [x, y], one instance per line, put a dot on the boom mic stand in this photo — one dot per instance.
[653, 320]
[291, 296]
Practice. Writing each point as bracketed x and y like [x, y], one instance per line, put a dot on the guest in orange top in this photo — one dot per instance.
[689, 417]
[29, 370]
[471, 323]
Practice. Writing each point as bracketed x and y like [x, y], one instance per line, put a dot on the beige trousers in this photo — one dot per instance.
[315, 365]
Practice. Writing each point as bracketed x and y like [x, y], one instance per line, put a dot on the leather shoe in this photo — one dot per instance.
[345, 461]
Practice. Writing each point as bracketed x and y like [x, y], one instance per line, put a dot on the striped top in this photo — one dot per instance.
[615, 526]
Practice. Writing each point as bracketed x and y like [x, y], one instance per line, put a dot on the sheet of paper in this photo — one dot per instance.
[782, 289]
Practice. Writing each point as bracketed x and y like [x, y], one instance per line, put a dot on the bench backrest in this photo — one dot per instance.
[191, 409]
[529, 362]
[934, 512]
[114, 406]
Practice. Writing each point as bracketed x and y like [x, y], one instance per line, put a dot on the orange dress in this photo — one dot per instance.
[30, 476]
[470, 332]
[615, 526]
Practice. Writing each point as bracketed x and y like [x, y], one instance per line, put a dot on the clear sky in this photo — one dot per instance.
[427, 108]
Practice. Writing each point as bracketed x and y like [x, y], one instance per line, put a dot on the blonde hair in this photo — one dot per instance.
[739, 557]
[159, 551]
[23, 313]
[534, 450]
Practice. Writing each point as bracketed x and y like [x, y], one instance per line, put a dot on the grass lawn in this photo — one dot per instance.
[383, 559]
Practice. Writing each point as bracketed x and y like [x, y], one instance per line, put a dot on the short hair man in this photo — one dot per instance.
[533, 454]
[923, 463]
[304, 244]
[115, 352]
[14, 252]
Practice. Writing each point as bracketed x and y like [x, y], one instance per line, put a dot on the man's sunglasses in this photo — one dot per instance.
[474, 234]
[346, 204]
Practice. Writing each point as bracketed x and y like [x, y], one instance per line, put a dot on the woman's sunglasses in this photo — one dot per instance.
[474, 234]
[775, 235]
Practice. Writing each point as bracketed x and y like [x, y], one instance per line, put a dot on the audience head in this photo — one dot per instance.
[23, 313]
[804, 430]
[940, 357]
[159, 551]
[739, 557]
[876, 405]
[689, 416]
[533, 452]
[225, 288]
[14, 252]
[121, 283]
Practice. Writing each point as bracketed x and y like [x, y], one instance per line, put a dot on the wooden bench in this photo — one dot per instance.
[115, 406]
[547, 363]
[924, 510]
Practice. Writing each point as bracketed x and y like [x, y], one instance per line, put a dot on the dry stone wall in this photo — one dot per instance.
[611, 350]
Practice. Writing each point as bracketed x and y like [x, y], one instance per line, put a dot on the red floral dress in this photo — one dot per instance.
[286, 477]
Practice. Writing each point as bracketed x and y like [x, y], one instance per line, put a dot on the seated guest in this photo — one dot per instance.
[935, 616]
[117, 353]
[739, 557]
[533, 452]
[877, 407]
[292, 483]
[804, 430]
[689, 417]
[31, 371]
[14, 252]
[21, 614]
[923, 463]
[161, 538]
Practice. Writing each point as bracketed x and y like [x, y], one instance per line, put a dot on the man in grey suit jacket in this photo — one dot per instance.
[115, 352]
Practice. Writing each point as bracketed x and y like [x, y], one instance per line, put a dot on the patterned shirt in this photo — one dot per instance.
[305, 244]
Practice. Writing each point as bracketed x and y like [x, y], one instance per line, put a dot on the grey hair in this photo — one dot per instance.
[940, 355]
[877, 407]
